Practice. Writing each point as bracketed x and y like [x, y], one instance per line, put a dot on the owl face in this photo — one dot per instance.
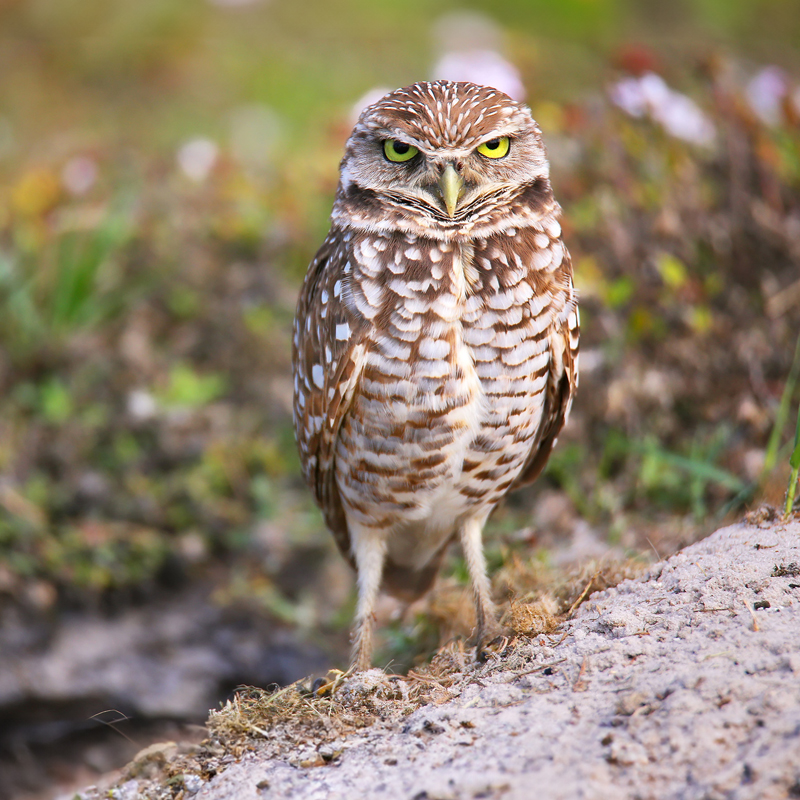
[440, 158]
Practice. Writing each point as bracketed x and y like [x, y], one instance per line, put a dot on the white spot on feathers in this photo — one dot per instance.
[434, 348]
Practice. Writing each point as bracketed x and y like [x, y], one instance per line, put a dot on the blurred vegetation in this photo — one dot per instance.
[167, 173]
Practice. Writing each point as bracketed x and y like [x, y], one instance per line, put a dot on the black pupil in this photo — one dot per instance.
[493, 144]
[401, 148]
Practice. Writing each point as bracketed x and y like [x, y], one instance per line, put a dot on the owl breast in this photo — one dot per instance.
[452, 386]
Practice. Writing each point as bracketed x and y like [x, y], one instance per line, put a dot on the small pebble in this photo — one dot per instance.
[192, 783]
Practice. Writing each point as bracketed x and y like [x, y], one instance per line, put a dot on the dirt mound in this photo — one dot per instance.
[683, 683]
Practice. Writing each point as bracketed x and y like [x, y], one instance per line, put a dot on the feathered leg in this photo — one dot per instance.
[472, 545]
[369, 551]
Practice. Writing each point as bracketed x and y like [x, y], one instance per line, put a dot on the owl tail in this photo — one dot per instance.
[409, 584]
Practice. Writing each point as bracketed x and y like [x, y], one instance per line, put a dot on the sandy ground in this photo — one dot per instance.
[682, 684]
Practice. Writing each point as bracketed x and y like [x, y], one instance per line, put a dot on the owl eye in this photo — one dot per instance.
[495, 148]
[396, 150]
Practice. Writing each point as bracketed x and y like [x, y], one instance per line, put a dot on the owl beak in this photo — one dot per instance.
[451, 185]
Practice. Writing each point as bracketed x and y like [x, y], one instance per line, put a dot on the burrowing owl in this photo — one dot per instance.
[436, 337]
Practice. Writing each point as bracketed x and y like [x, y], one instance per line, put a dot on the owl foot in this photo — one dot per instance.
[490, 636]
[491, 648]
[325, 687]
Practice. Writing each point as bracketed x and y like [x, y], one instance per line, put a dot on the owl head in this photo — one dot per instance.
[445, 160]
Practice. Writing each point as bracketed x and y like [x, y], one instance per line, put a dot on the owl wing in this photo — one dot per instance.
[563, 340]
[327, 358]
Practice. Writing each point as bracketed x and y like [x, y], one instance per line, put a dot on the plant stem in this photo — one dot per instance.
[794, 463]
[782, 414]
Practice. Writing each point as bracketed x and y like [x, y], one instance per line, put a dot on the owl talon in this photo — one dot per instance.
[325, 687]
[492, 648]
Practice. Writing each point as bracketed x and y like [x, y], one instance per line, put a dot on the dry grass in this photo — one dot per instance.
[536, 599]
[594, 576]
[303, 723]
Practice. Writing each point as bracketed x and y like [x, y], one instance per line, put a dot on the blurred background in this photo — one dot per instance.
[167, 168]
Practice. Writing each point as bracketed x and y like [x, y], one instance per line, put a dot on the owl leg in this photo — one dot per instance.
[369, 550]
[472, 546]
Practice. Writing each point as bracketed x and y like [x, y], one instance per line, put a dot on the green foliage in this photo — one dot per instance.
[794, 459]
[263, 492]
[673, 272]
[181, 292]
[68, 284]
[188, 389]
[665, 479]
[620, 291]
[92, 556]
[565, 468]
[782, 415]
[794, 463]
[56, 402]
[260, 591]
[678, 481]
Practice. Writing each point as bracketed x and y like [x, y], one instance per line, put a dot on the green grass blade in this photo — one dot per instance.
[703, 470]
[696, 468]
[794, 463]
[782, 417]
[76, 295]
[794, 459]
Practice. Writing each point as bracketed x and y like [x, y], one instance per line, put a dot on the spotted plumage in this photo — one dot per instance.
[436, 337]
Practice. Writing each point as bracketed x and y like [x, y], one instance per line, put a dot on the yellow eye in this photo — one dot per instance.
[396, 150]
[495, 148]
